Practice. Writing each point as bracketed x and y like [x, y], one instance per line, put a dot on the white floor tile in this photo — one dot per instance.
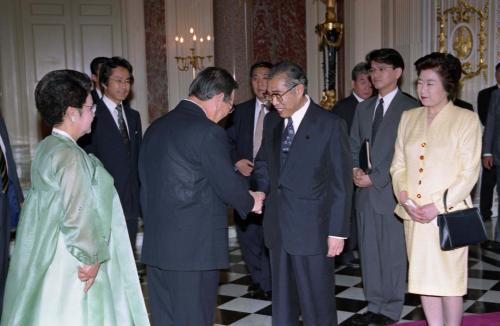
[254, 320]
[234, 290]
[245, 305]
[343, 315]
[476, 283]
[346, 280]
[352, 293]
[490, 296]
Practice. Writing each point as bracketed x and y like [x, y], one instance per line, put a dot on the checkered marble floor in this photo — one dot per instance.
[237, 308]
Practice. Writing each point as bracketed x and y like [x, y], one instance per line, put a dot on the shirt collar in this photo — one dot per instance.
[258, 105]
[62, 133]
[387, 98]
[357, 97]
[109, 103]
[298, 115]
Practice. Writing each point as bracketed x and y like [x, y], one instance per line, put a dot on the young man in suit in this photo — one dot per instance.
[362, 89]
[95, 65]
[187, 178]
[491, 153]
[245, 136]
[304, 166]
[380, 233]
[116, 137]
[11, 198]
[489, 175]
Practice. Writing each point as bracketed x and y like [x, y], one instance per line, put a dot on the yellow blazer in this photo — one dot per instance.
[427, 161]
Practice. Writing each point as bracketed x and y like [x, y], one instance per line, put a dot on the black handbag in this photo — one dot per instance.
[460, 228]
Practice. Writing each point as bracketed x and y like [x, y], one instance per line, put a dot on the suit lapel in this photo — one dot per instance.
[277, 132]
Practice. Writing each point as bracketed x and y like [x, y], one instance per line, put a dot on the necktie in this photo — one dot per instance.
[287, 137]
[122, 127]
[3, 172]
[257, 136]
[377, 119]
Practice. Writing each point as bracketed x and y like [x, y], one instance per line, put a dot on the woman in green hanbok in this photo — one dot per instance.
[72, 262]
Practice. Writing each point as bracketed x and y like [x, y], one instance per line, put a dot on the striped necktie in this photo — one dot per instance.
[122, 127]
[3, 172]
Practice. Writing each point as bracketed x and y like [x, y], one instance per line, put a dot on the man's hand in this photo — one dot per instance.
[245, 167]
[488, 162]
[87, 274]
[335, 246]
[361, 179]
[258, 198]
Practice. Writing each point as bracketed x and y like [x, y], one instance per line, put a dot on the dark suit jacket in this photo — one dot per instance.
[379, 196]
[345, 109]
[483, 103]
[240, 131]
[105, 142]
[309, 197]
[15, 194]
[462, 104]
[491, 136]
[186, 180]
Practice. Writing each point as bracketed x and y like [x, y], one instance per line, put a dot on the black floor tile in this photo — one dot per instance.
[226, 317]
[479, 307]
[350, 305]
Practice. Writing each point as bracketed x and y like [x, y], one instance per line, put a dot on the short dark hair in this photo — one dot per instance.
[58, 90]
[295, 74]
[212, 81]
[260, 64]
[95, 63]
[387, 56]
[447, 66]
[497, 66]
[361, 68]
[110, 64]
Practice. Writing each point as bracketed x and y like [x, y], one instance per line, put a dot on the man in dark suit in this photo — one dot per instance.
[11, 197]
[187, 179]
[245, 136]
[489, 175]
[116, 137]
[362, 89]
[491, 152]
[380, 233]
[304, 166]
[95, 66]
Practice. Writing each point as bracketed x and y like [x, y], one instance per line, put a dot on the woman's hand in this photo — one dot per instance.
[428, 212]
[87, 274]
[411, 207]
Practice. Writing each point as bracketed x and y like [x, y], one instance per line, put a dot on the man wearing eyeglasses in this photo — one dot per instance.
[245, 136]
[304, 167]
[116, 137]
[380, 233]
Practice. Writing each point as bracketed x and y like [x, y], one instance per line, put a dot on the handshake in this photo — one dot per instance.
[258, 198]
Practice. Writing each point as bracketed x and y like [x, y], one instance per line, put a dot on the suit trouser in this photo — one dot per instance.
[302, 284]
[351, 243]
[497, 227]
[4, 243]
[383, 261]
[488, 182]
[255, 253]
[186, 298]
[132, 228]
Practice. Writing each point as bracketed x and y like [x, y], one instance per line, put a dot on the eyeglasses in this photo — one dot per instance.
[121, 81]
[91, 108]
[279, 97]
[379, 69]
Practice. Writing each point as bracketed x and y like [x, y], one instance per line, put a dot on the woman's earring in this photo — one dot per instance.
[73, 119]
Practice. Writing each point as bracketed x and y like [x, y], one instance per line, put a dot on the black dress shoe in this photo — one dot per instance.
[364, 319]
[382, 320]
[491, 245]
[254, 288]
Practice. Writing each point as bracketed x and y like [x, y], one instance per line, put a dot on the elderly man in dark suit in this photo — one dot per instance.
[245, 136]
[381, 235]
[116, 137]
[362, 89]
[304, 166]
[489, 175]
[11, 197]
[187, 179]
[491, 152]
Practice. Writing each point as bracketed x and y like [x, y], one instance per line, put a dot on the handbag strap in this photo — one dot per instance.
[444, 201]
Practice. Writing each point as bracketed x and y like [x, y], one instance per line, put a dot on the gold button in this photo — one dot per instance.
[421, 157]
[423, 144]
[419, 182]
[451, 207]
[420, 170]
[419, 196]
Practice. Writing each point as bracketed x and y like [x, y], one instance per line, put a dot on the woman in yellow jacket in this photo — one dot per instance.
[438, 147]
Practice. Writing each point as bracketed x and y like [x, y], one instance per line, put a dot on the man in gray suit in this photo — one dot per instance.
[380, 232]
[491, 152]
